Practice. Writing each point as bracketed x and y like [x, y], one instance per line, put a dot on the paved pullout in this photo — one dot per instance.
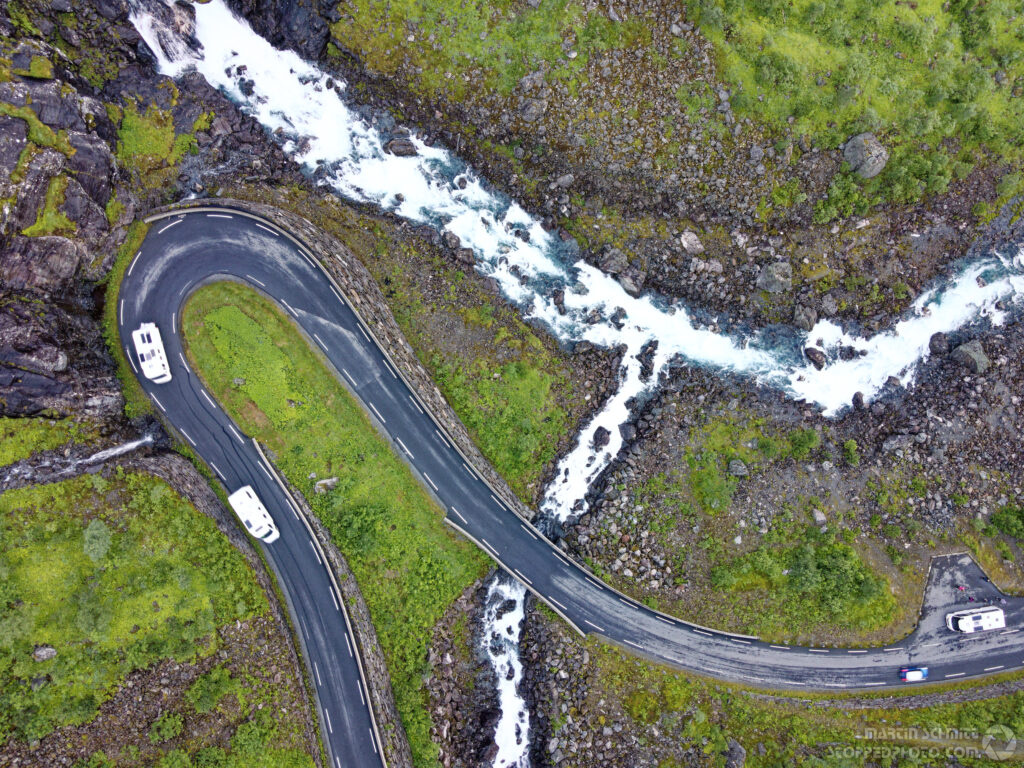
[183, 250]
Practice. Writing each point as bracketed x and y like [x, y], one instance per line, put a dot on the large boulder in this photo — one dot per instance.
[866, 155]
[972, 356]
[613, 261]
[776, 278]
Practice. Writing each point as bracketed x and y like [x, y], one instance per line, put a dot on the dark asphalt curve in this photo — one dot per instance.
[184, 250]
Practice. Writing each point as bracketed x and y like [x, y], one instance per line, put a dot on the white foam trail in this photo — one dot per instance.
[117, 450]
[290, 98]
[501, 641]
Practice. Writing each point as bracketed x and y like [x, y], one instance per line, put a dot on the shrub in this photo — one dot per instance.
[251, 738]
[850, 453]
[166, 727]
[1010, 520]
[642, 706]
[97, 540]
[776, 70]
[802, 442]
[208, 690]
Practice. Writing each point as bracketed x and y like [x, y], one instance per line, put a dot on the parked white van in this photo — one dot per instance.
[150, 349]
[976, 619]
[253, 514]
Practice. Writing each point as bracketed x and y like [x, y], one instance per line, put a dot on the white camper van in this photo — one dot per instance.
[976, 619]
[150, 349]
[253, 514]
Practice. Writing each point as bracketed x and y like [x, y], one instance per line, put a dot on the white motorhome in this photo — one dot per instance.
[253, 514]
[976, 619]
[150, 349]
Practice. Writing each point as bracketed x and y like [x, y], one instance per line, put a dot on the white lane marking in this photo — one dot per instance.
[329, 726]
[315, 553]
[183, 359]
[702, 632]
[599, 586]
[265, 470]
[373, 741]
[208, 398]
[404, 447]
[737, 640]
[856, 651]
[268, 229]
[557, 603]
[235, 433]
[1009, 632]
[780, 647]
[496, 500]
[382, 420]
[587, 621]
[132, 266]
[817, 650]
[131, 360]
[261, 285]
[460, 515]
[874, 683]
[795, 682]
[624, 601]
[930, 645]
[174, 321]
[320, 342]
[432, 483]
[289, 306]
[891, 649]
[993, 669]
[417, 405]
[122, 311]
[466, 467]
[359, 688]
[438, 433]
[168, 226]
[218, 471]
[834, 685]
[388, 366]
[318, 680]
[348, 643]
[294, 513]
[219, 216]
[335, 601]
[662, 618]
[349, 376]
[364, 333]
[338, 295]
[188, 437]
[956, 674]
[520, 574]
[337, 760]
[635, 645]
[159, 403]
[528, 531]
[184, 288]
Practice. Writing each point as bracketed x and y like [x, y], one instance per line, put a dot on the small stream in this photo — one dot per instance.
[307, 112]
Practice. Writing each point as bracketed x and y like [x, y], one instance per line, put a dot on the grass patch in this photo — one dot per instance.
[51, 220]
[135, 401]
[39, 133]
[148, 146]
[20, 438]
[409, 565]
[115, 574]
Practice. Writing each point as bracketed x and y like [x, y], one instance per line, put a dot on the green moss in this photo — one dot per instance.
[20, 438]
[160, 590]
[51, 220]
[39, 68]
[39, 133]
[408, 564]
[145, 139]
[114, 210]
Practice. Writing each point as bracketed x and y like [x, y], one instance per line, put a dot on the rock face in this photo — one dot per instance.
[866, 155]
[776, 278]
[41, 263]
[972, 356]
[294, 24]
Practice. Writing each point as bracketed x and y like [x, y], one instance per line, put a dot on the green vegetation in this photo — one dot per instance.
[166, 727]
[408, 564]
[919, 74]
[207, 692]
[147, 144]
[114, 574]
[50, 219]
[20, 438]
[851, 453]
[804, 584]
[502, 38]
[1010, 521]
[39, 67]
[39, 133]
[135, 401]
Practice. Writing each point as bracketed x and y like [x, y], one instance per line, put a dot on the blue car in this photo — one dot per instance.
[914, 674]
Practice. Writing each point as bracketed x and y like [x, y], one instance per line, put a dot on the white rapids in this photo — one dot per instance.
[344, 151]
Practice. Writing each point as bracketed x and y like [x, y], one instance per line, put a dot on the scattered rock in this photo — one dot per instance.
[44, 653]
[776, 278]
[401, 147]
[938, 344]
[866, 155]
[735, 755]
[804, 317]
[972, 356]
[601, 438]
[325, 485]
[738, 469]
[819, 517]
[613, 261]
[691, 243]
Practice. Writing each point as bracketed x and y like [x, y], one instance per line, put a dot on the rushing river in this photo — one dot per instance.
[317, 128]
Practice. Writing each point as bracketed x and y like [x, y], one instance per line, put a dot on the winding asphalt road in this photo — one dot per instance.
[185, 250]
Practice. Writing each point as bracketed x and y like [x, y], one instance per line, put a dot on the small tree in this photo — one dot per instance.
[165, 727]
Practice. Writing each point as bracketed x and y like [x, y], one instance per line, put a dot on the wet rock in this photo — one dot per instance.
[646, 358]
[613, 261]
[738, 469]
[558, 298]
[691, 243]
[632, 280]
[628, 432]
[938, 344]
[44, 653]
[401, 147]
[858, 401]
[776, 278]
[866, 155]
[816, 356]
[804, 317]
[451, 240]
[601, 438]
[972, 356]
